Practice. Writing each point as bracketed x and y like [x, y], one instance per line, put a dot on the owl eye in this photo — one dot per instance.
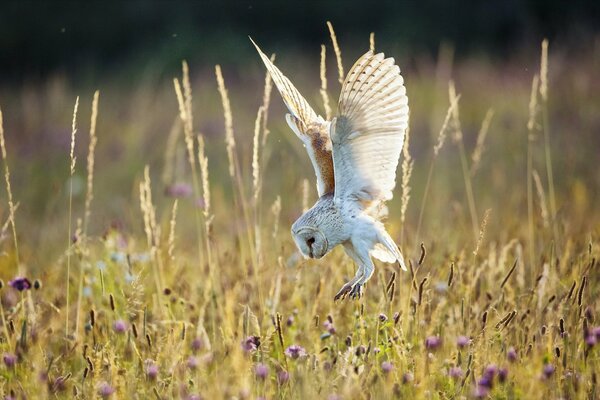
[310, 241]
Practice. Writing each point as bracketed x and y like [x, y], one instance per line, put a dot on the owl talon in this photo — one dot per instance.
[356, 292]
[347, 288]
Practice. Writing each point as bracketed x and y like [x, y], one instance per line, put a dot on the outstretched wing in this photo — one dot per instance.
[368, 134]
[311, 128]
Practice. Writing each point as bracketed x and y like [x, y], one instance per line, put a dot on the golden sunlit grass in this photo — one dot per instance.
[205, 295]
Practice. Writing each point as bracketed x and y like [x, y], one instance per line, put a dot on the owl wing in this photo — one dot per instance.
[368, 134]
[311, 128]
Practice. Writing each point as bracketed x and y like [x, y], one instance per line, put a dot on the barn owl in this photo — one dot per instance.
[354, 156]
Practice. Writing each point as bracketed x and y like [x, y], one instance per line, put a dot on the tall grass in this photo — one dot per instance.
[470, 320]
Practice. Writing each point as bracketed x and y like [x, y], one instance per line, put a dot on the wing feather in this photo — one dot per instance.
[311, 128]
[368, 135]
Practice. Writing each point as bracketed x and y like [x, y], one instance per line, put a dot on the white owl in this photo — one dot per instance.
[355, 156]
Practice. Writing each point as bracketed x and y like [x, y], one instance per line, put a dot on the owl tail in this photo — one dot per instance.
[387, 250]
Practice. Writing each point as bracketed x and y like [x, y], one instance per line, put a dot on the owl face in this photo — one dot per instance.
[310, 241]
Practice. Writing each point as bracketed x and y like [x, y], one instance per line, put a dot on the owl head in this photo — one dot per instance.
[310, 241]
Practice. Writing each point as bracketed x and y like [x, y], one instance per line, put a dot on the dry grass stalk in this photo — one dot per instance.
[546, 127]
[338, 52]
[479, 146]
[542, 198]
[544, 71]
[407, 168]
[151, 228]
[172, 224]
[69, 239]
[234, 165]
[305, 191]
[531, 128]
[203, 160]
[372, 42]
[11, 205]
[323, 90]
[184, 100]
[436, 150]
[484, 223]
[229, 136]
[90, 162]
[458, 138]
[276, 210]
[255, 155]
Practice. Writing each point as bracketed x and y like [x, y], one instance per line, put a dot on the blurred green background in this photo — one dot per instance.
[52, 52]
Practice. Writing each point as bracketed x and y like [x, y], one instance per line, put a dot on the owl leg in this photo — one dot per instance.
[349, 286]
[368, 269]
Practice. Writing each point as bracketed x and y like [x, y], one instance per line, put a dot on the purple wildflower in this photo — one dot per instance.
[105, 390]
[333, 396]
[455, 373]
[294, 352]
[463, 341]
[197, 344]
[432, 342]
[192, 362]
[485, 382]
[396, 317]
[282, 377]
[590, 340]
[383, 318]
[151, 370]
[502, 374]
[548, 371]
[20, 283]
[290, 321]
[9, 360]
[120, 326]
[386, 367]
[193, 397]
[596, 332]
[252, 343]
[490, 371]
[261, 371]
[480, 392]
[179, 190]
[511, 354]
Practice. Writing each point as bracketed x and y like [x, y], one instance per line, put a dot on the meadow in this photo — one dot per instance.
[146, 250]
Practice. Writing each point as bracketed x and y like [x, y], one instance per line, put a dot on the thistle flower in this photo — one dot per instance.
[20, 283]
[120, 326]
[105, 390]
[151, 370]
[502, 374]
[455, 373]
[9, 360]
[290, 321]
[261, 371]
[282, 377]
[252, 343]
[590, 340]
[197, 344]
[386, 367]
[596, 332]
[463, 341]
[433, 342]
[294, 352]
[511, 354]
[407, 377]
[548, 371]
[383, 318]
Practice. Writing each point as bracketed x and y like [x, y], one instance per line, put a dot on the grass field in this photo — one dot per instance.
[159, 264]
